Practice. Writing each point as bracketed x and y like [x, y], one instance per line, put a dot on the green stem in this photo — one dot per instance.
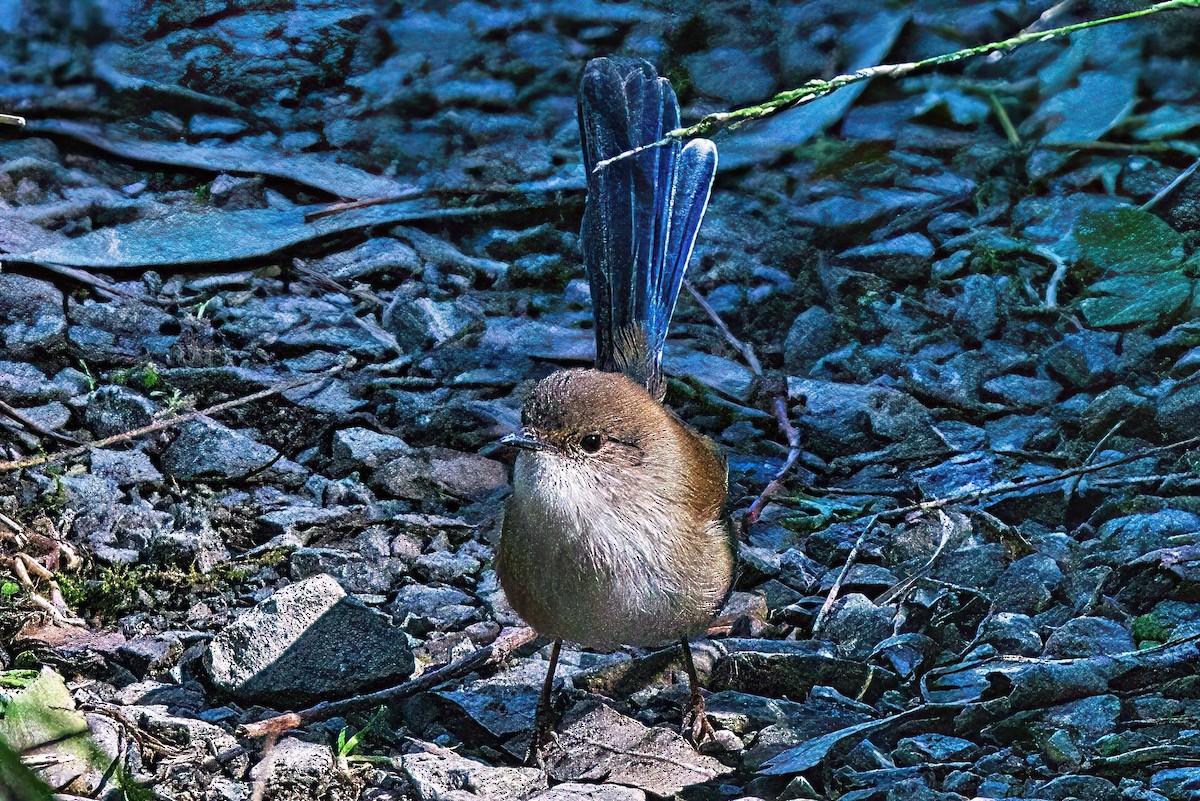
[817, 88]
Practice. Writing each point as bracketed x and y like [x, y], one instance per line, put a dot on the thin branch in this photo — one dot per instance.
[34, 425]
[162, 425]
[851, 560]
[11, 119]
[743, 348]
[493, 654]
[1171, 187]
[818, 88]
[1071, 488]
[1006, 487]
[778, 406]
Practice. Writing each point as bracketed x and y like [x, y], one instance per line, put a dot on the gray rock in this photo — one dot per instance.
[230, 192]
[1177, 784]
[1011, 633]
[426, 608]
[206, 450]
[467, 476]
[22, 384]
[926, 748]
[1022, 391]
[497, 707]
[31, 316]
[445, 776]
[857, 625]
[494, 94]
[117, 532]
[730, 74]
[1088, 636]
[726, 376]
[298, 523]
[811, 336]
[846, 417]
[905, 257]
[977, 313]
[1135, 535]
[576, 791]
[205, 126]
[379, 255]
[124, 467]
[355, 572]
[1026, 585]
[297, 646]
[419, 323]
[1119, 403]
[446, 566]
[1066, 788]
[294, 768]
[1178, 413]
[573, 755]
[785, 669]
[115, 410]
[1087, 719]
[1083, 359]
[356, 448]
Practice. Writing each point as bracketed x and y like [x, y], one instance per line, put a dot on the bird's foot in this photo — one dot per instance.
[543, 735]
[696, 725]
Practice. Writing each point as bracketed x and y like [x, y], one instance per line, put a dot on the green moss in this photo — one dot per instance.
[110, 592]
[1150, 629]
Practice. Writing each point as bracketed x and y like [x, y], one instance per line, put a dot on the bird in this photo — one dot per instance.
[616, 532]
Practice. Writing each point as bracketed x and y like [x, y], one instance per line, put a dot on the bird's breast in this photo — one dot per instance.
[598, 561]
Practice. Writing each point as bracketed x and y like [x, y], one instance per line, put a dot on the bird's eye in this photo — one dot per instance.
[590, 443]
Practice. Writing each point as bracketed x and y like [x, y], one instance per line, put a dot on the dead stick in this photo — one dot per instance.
[1004, 487]
[493, 654]
[34, 425]
[778, 406]
[162, 425]
[826, 607]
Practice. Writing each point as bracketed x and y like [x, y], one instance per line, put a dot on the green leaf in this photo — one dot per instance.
[9, 588]
[1136, 299]
[1128, 241]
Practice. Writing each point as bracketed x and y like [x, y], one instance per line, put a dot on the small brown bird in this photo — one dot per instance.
[615, 532]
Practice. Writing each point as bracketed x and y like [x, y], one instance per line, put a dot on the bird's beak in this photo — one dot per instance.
[525, 441]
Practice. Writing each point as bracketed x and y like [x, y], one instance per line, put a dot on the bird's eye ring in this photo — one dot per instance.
[590, 443]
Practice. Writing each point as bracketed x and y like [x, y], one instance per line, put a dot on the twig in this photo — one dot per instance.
[743, 348]
[1171, 187]
[1006, 122]
[1056, 278]
[1069, 492]
[493, 654]
[11, 119]
[1005, 487]
[162, 425]
[34, 425]
[921, 572]
[851, 560]
[778, 406]
[818, 88]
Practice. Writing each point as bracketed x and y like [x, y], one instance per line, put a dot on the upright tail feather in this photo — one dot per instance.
[642, 215]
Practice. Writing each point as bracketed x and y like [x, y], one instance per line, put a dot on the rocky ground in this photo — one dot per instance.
[980, 274]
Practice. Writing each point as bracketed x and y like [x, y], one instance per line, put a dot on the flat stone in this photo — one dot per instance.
[656, 760]
[31, 316]
[206, 450]
[124, 467]
[307, 641]
[576, 791]
[445, 776]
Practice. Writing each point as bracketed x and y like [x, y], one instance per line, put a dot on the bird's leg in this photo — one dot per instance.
[541, 718]
[695, 722]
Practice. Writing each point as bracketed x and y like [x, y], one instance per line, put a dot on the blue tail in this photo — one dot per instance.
[642, 215]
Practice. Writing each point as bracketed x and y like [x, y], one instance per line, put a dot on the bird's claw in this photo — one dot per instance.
[696, 725]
